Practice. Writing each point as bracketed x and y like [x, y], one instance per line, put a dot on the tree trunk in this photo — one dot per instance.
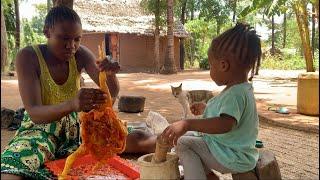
[300, 10]
[272, 36]
[313, 30]
[284, 29]
[68, 3]
[157, 39]
[169, 64]
[49, 5]
[218, 28]
[4, 44]
[192, 10]
[182, 53]
[182, 19]
[234, 8]
[316, 6]
[17, 32]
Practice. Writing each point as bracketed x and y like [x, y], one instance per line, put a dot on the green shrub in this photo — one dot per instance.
[204, 64]
[287, 61]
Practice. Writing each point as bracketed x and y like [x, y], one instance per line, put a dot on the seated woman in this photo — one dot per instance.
[49, 84]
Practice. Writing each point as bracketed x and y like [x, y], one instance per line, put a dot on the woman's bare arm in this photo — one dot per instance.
[30, 90]
[89, 60]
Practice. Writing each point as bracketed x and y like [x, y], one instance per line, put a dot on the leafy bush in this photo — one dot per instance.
[287, 61]
[204, 64]
[197, 45]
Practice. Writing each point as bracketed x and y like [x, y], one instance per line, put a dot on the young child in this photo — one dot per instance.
[49, 85]
[229, 126]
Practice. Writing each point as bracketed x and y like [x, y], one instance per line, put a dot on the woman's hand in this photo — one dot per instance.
[88, 99]
[172, 133]
[109, 65]
[197, 108]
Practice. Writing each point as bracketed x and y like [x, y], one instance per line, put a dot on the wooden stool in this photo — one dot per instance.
[266, 168]
[131, 104]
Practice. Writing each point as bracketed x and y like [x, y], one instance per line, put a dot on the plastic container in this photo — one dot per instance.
[308, 93]
[122, 169]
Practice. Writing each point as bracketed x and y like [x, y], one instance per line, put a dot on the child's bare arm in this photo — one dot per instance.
[216, 125]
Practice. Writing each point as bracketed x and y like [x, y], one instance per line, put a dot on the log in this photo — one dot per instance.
[131, 104]
[267, 168]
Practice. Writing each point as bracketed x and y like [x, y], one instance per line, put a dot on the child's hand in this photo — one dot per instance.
[174, 131]
[109, 65]
[198, 108]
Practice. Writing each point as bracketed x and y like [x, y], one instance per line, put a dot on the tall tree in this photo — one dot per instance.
[17, 32]
[169, 63]
[284, 29]
[182, 19]
[313, 29]
[272, 36]
[316, 7]
[157, 8]
[234, 9]
[68, 3]
[300, 9]
[157, 38]
[4, 45]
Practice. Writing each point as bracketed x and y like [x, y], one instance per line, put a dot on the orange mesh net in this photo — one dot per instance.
[103, 133]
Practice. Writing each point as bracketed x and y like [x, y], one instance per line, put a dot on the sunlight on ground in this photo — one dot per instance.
[13, 82]
[188, 84]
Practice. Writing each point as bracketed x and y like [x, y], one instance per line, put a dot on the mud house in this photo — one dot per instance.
[126, 32]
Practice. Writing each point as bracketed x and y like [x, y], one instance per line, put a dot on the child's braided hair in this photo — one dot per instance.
[240, 43]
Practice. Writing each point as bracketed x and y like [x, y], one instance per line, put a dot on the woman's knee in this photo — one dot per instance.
[11, 176]
[140, 142]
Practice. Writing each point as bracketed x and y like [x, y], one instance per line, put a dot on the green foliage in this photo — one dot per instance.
[31, 30]
[214, 9]
[204, 64]
[196, 47]
[293, 38]
[9, 15]
[270, 7]
[288, 61]
[28, 34]
[37, 22]
[151, 7]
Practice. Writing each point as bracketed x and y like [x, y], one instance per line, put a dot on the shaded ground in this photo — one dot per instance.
[296, 151]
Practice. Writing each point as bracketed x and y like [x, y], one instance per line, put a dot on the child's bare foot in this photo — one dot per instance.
[212, 176]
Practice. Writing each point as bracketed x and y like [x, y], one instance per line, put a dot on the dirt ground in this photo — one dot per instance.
[297, 152]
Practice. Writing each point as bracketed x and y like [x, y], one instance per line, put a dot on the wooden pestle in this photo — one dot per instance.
[160, 154]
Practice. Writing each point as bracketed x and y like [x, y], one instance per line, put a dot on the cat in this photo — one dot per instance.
[184, 99]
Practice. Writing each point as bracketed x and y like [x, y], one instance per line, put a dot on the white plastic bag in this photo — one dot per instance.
[156, 122]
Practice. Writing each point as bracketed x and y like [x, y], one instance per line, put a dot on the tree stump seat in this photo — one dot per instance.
[266, 168]
[131, 104]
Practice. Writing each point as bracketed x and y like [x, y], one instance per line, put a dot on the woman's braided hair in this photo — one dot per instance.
[59, 14]
[240, 43]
